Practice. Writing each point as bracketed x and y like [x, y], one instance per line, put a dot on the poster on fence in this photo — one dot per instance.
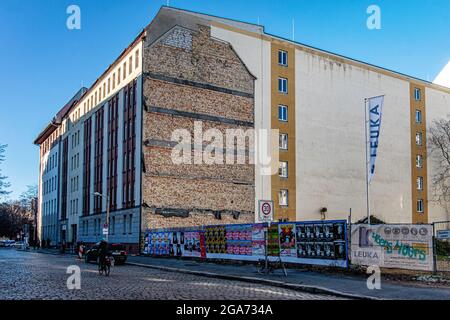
[403, 246]
[317, 243]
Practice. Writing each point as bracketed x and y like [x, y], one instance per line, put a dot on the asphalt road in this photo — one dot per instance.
[28, 275]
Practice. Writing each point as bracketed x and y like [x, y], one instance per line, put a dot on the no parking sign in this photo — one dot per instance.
[265, 211]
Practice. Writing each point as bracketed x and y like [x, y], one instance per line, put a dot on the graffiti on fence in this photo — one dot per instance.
[393, 246]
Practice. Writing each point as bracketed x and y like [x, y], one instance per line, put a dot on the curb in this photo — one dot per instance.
[280, 284]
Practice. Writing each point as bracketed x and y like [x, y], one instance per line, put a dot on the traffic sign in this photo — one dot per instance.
[266, 211]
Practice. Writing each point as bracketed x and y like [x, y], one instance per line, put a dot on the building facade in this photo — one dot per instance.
[112, 146]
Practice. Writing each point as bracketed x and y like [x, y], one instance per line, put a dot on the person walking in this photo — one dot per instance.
[81, 250]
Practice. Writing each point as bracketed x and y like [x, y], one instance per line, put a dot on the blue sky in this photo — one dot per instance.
[42, 63]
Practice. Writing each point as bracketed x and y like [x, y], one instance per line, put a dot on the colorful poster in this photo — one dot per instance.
[273, 241]
[239, 240]
[215, 238]
[258, 240]
[286, 233]
[192, 245]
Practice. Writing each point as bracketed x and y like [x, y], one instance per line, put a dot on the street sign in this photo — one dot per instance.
[443, 234]
[105, 231]
[265, 211]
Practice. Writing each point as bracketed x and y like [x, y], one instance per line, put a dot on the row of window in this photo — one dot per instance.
[50, 185]
[109, 84]
[419, 158]
[127, 226]
[75, 162]
[51, 163]
[50, 207]
[76, 139]
[74, 207]
[283, 85]
[74, 184]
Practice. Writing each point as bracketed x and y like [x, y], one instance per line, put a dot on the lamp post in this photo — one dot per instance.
[98, 194]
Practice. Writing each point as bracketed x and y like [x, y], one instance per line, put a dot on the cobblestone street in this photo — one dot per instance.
[28, 275]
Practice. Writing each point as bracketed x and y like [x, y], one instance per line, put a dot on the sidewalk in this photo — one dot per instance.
[350, 286]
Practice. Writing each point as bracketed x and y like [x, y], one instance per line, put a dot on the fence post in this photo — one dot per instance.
[349, 239]
[434, 249]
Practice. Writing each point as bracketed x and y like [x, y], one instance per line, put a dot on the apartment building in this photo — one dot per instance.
[112, 145]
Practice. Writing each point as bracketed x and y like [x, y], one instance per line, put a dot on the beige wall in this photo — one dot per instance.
[331, 143]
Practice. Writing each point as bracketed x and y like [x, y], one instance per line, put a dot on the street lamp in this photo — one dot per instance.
[98, 194]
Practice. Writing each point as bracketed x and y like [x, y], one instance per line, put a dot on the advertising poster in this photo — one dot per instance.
[239, 240]
[286, 233]
[404, 246]
[215, 238]
[258, 240]
[273, 241]
[191, 246]
[177, 244]
[321, 243]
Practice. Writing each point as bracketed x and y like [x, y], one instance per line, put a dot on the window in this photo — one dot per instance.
[104, 89]
[113, 225]
[136, 65]
[418, 116]
[118, 76]
[124, 70]
[130, 65]
[130, 224]
[419, 138]
[282, 58]
[283, 198]
[282, 113]
[109, 84]
[283, 141]
[283, 170]
[100, 93]
[419, 183]
[419, 161]
[113, 80]
[420, 208]
[417, 94]
[283, 85]
[124, 226]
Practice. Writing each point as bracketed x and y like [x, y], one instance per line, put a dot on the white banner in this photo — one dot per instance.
[375, 113]
[403, 246]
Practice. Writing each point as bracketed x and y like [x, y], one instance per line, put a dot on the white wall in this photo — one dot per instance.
[331, 143]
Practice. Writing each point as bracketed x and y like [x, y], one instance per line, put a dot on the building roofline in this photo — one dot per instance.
[310, 47]
[63, 113]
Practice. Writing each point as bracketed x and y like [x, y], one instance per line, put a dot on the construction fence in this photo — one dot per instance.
[441, 232]
[313, 243]
[424, 247]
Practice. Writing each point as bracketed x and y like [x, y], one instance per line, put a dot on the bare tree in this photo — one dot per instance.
[26, 198]
[4, 184]
[439, 144]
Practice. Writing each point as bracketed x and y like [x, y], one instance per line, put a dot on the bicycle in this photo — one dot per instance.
[266, 266]
[105, 266]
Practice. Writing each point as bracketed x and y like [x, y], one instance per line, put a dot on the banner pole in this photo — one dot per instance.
[367, 161]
